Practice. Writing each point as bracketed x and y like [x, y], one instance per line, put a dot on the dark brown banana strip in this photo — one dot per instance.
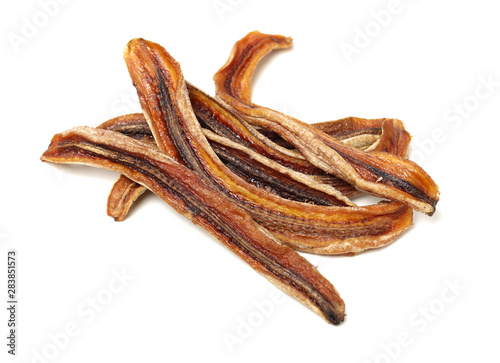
[378, 173]
[188, 194]
[304, 226]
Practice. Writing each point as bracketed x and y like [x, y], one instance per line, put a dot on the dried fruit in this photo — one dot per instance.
[385, 175]
[261, 182]
[187, 193]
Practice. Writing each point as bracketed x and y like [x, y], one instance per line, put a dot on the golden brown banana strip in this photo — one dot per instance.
[122, 196]
[187, 193]
[125, 191]
[383, 134]
[301, 225]
[378, 173]
[370, 133]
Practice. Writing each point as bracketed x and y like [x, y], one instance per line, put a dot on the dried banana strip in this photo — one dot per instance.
[257, 180]
[188, 194]
[378, 173]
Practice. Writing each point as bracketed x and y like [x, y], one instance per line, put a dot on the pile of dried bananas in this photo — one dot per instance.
[263, 183]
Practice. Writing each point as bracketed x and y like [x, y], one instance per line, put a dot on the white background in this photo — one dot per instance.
[189, 296]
